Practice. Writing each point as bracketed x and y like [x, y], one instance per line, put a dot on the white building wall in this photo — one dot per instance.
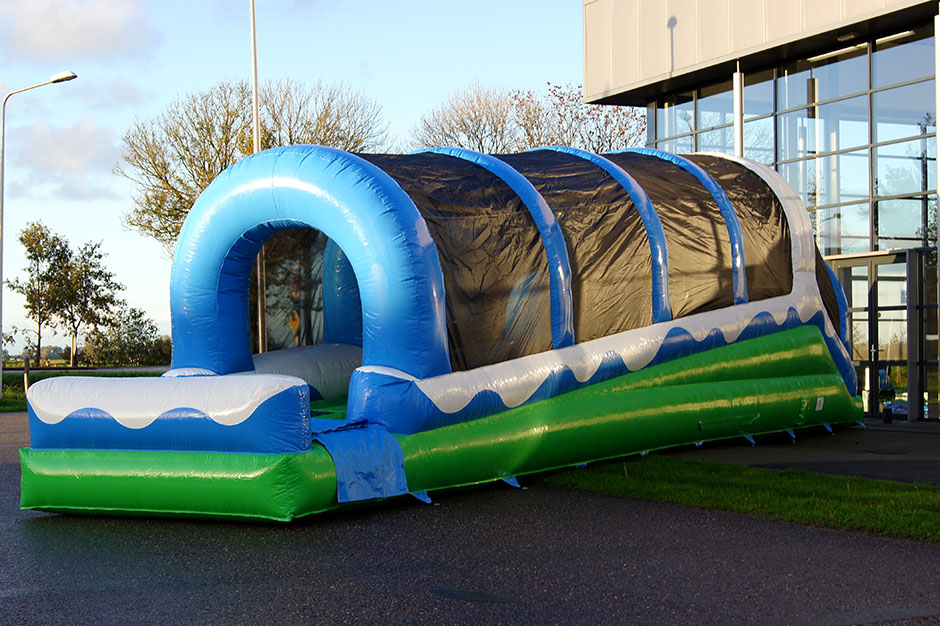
[631, 43]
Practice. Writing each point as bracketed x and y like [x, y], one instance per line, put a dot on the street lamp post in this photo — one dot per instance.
[61, 77]
[256, 147]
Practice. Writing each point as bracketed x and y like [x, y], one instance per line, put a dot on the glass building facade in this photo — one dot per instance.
[853, 130]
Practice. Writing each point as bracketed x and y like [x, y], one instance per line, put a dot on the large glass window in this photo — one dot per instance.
[675, 115]
[818, 129]
[904, 111]
[843, 229]
[823, 77]
[900, 221]
[717, 140]
[852, 130]
[902, 57]
[759, 140]
[758, 93]
[832, 179]
[715, 106]
[679, 145]
[906, 167]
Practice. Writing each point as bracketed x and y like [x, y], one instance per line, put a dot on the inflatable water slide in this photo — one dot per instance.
[482, 317]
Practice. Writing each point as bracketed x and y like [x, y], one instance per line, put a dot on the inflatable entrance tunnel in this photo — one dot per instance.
[474, 318]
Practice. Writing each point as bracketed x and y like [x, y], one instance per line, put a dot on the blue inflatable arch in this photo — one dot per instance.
[353, 203]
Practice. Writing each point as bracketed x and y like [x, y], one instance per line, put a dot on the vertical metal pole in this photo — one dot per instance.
[936, 53]
[737, 86]
[3, 127]
[256, 147]
[915, 333]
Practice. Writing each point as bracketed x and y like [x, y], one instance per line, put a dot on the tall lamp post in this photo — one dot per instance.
[256, 147]
[61, 77]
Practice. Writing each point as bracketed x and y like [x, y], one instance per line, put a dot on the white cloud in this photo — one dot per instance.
[74, 188]
[83, 148]
[40, 30]
[75, 161]
[109, 94]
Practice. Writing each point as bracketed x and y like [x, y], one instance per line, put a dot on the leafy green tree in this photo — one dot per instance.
[131, 339]
[47, 257]
[87, 293]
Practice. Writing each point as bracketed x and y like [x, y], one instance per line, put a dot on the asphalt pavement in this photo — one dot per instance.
[486, 555]
[899, 451]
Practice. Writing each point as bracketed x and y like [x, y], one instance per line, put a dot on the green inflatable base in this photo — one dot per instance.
[772, 384]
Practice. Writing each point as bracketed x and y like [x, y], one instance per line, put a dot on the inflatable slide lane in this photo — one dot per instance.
[474, 318]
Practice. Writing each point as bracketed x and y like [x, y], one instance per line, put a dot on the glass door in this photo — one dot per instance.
[888, 319]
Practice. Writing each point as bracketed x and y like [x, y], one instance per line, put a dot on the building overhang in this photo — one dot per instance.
[763, 57]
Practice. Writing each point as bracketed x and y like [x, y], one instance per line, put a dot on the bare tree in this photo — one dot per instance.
[479, 118]
[494, 121]
[171, 158]
[328, 115]
[561, 117]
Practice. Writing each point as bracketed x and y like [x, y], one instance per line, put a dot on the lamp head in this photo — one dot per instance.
[61, 77]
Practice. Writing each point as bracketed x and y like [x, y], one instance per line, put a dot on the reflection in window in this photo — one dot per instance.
[675, 115]
[759, 140]
[758, 93]
[841, 230]
[823, 77]
[834, 126]
[904, 112]
[294, 288]
[860, 337]
[857, 287]
[902, 57]
[679, 145]
[907, 167]
[900, 222]
[829, 180]
[715, 105]
[892, 283]
[717, 140]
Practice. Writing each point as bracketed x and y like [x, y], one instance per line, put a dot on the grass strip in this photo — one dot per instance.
[841, 502]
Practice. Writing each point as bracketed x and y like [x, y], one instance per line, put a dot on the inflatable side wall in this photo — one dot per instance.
[482, 317]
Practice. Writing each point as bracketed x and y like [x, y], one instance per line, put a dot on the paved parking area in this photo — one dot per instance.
[488, 555]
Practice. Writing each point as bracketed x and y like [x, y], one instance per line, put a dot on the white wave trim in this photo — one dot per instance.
[515, 381]
[137, 402]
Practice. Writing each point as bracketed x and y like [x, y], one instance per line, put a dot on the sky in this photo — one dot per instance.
[134, 57]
